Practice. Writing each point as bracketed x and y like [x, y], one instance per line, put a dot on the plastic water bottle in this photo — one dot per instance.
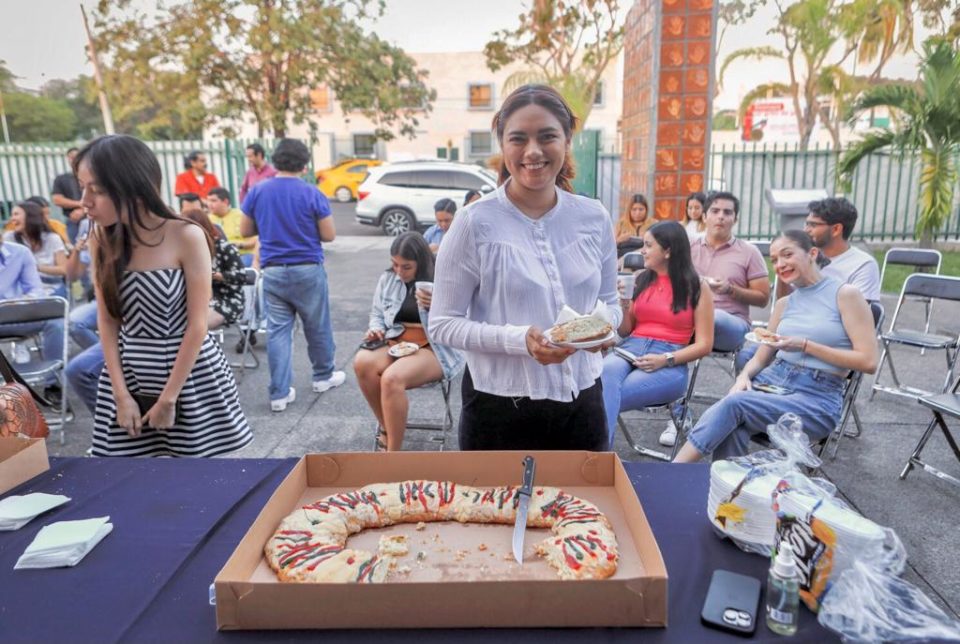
[21, 354]
[783, 593]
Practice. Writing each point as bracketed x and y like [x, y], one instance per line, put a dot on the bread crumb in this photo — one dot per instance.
[421, 526]
[393, 545]
[403, 570]
[436, 536]
[461, 555]
[482, 547]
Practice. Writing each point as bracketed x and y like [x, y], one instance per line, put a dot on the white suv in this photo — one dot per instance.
[400, 196]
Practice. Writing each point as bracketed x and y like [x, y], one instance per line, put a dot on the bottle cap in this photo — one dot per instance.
[785, 565]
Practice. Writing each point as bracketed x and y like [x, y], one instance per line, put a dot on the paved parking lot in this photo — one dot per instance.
[922, 509]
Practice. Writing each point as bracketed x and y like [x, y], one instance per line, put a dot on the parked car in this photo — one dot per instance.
[342, 180]
[399, 197]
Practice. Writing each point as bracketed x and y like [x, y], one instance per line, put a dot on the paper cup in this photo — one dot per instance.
[628, 282]
[425, 286]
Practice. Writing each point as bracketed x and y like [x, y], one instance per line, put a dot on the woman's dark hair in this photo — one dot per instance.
[126, 169]
[201, 219]
[34, 225]
[190, 158]
[413, 247]
[696, 196]
[684, 280]
[470, 195]
[290, 155]
[40, 201]
[550, 100]
[805, 242]
[445, 205]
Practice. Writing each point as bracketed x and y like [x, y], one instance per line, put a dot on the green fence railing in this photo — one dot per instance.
[28, 169]
[884, 187]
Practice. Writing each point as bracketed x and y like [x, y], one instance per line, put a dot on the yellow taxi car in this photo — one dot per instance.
[341, 181]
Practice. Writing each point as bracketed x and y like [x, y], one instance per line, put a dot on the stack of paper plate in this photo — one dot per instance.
[748, 515]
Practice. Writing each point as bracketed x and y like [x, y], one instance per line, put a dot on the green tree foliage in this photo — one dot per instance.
[7, 79]
[37, 118]
[725, 120]
[566, 44]
[80, 96]
[257, 59]
[925, 122]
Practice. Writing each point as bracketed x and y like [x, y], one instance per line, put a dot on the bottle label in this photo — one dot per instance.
[781, 617]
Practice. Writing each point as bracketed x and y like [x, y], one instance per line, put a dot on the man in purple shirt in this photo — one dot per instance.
[259, 169]
[19, 278]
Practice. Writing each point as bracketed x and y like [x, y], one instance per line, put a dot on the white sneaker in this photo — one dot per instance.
[669, 436]
[281, 405]
[335, 380]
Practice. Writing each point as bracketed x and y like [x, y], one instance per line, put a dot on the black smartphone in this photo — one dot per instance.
[771, 389]
[732, 604]
[146, 401]
[370, 345]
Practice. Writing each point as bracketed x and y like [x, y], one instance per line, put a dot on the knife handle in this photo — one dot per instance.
[529, 468]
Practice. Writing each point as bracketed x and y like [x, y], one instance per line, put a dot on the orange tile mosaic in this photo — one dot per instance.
[695, 107]
[698, 80]
[668, 159]
[692, 182]
[671, 82]
[694, 133]
[670, 109]
[671, 55]
[698, 52]
[693, 159]
[666, 184]
[669, 134]
[665, 209]
[673, 27]
[699, 26]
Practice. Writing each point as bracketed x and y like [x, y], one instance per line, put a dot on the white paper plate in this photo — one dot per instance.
[752, 337]
[403, 349]
[589, 344]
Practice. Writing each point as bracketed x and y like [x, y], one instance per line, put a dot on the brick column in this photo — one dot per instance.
[667, 98]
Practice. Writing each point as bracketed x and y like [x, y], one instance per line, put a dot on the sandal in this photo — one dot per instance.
[380, 440]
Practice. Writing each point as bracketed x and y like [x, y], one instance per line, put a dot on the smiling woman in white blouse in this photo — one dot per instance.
[506, 268]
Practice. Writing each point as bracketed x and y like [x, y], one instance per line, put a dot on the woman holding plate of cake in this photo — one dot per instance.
[507, 268]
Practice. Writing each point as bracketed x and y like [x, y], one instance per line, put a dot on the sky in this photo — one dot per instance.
[415, 25]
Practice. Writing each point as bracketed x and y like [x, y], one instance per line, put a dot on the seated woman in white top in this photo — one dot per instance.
[506, 268]
[30, 230]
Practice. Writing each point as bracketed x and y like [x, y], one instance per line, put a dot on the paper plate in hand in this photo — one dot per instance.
[581, 333]
[403, 349]
[753, 337]
[586, 344]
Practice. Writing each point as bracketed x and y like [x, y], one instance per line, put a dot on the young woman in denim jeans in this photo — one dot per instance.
[667, 309]
[824, 329]
[399, 314]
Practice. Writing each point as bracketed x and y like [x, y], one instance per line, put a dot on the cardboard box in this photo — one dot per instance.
[20, 460]
[446, 590]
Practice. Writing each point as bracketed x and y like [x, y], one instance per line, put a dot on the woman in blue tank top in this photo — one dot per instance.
[824, 330]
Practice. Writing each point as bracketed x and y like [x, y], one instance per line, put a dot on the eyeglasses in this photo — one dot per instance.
[814, 224]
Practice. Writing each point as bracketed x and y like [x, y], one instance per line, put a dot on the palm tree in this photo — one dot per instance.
[926, 121]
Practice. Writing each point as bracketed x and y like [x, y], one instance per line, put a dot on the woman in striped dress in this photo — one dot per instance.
[167, 389]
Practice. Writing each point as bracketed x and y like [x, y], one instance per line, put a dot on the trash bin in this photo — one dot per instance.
[791, 204]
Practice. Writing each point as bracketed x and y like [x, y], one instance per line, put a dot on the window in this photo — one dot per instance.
[320, 98]
[481, 96]
[407, 179]
[481, 143]
[598, 95]
[436, 180]
[364, 145]
[467, 181]
[358, 169]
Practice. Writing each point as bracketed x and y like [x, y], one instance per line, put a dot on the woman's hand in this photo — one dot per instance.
[742, 383]
[789, 343]
[128, 415]
[542, 351]
[651, 362]
[424, 298]
[218, 277]
[161, 416]
[373, 334]
[609, 344]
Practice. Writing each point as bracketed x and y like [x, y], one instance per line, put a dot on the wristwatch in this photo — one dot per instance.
[670, 361]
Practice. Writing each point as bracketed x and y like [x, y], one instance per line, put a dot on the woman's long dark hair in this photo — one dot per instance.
[550, 100]
[413, 247]
[683, 276]
[129, 173]
[34, 225]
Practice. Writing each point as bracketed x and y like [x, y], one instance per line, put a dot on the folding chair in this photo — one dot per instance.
[678, 421]
[919, 286]
[850, 390]
[917, 258]
[942, 404]
[632, 262]
[36, 370]
[446, 424]
[249, 322]
[764, 247]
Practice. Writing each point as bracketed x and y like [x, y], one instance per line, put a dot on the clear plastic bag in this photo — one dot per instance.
[869, 603]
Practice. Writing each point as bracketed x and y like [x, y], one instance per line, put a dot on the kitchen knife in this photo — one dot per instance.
[520, 525]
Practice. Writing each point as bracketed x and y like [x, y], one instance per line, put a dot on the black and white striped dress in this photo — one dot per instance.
[154, 320]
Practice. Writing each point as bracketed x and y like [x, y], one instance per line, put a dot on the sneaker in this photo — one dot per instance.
[669, 436]
[281, 405]
[335, 380]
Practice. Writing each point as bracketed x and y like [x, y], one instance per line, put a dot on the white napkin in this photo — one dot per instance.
[599, 311]
[17, 511]
[64, 543]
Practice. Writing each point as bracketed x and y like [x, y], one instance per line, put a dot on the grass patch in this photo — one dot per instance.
[896, 275]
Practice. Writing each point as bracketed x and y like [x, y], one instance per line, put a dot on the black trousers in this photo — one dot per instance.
[489, 422]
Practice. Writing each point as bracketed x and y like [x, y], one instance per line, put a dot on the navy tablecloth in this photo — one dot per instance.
[177, 521]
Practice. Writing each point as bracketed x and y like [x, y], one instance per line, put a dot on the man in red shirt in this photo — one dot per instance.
[195, 178]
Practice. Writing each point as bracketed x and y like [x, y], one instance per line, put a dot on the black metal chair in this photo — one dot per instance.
[919, 286]
[632, 262]
[246, 325]
[441, 429]
[945, 404]
[36, 371]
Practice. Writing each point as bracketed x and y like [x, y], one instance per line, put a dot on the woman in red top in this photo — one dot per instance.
[668, 308]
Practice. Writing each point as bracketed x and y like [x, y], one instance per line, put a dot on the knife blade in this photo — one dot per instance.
[520, 524]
